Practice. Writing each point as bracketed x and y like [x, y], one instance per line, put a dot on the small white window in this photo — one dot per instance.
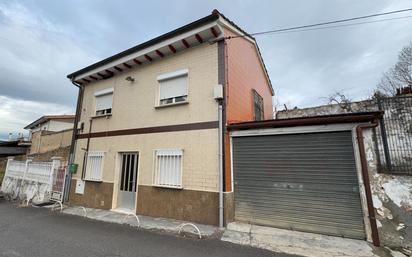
[173, 87]
[104, 100]
[94, 166]
[168, 168]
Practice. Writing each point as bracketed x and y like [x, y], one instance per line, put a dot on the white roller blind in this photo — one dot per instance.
[104, 101]
[173, 87]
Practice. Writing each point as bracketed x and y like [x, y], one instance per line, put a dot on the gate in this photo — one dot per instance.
[58, 183]
[39, 181]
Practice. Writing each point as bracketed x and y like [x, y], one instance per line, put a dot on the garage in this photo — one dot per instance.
[303, 181]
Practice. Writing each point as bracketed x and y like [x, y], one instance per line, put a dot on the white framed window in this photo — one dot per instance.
[104, 101]
[94, 166]
[168, 168]
[173, 87]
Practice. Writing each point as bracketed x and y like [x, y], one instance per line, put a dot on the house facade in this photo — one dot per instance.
[50, 135]
[52, 123]
[151, 121]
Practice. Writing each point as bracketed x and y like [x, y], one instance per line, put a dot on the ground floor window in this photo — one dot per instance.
[168, 168]
[94, 166]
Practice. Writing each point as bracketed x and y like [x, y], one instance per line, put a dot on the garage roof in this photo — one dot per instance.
[306, 121]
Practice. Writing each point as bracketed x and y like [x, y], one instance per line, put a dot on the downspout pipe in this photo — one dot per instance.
[366, 181]
[74, 136]
[220, 117]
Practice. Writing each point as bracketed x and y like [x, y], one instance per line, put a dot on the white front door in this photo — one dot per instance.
[128, 181]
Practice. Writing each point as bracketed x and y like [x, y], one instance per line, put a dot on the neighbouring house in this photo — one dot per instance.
[389, 161]
[151, 121]
[50, 135]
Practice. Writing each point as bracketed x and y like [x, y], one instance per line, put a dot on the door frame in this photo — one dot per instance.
[117, 175]
[351, 127]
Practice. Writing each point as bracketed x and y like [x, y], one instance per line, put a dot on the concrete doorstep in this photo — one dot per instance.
[300, 243]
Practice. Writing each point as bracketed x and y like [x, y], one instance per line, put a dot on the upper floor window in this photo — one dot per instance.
[104, 101]
[258, 106]
[173, 87]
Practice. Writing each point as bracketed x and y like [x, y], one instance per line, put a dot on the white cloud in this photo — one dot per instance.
[36, 55]
[15, 114]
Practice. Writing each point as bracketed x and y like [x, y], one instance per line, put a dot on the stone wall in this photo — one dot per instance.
[330, 109]
[62, 152]
[392, 200]
[46, 141]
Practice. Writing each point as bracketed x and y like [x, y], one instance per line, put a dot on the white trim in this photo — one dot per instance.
[117, 179]
[229, 26]
[172, 74]
[231, 165]
[232, 28]
[319, 129]
[293, 130]
[362, 191]
[152, 48]
[105, 91]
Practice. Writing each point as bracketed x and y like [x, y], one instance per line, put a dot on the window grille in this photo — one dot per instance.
[168, 168]
[94, 166]
[258, 106]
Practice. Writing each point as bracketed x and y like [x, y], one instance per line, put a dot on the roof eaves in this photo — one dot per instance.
[212, 17]
[254, 40]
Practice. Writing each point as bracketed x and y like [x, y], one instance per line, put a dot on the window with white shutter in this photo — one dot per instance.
[104, 101]
[173, 87]
[168, 168]
[94, 166]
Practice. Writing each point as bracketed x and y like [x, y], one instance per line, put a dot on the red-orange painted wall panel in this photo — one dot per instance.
[244, 72]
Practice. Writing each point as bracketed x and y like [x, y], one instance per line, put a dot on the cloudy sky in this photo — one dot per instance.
[41, 41]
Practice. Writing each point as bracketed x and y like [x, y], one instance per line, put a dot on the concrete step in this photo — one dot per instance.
[301, 243]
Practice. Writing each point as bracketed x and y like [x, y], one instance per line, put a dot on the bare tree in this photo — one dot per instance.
[400, 75]
[340, 99]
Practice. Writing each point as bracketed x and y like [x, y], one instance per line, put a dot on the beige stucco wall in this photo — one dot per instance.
[200, 152]
[134, 107]
[134, 102]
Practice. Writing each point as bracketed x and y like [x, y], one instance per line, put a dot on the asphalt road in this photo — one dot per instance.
[29, 231]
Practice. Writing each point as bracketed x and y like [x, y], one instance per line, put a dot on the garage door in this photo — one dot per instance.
[305, 182]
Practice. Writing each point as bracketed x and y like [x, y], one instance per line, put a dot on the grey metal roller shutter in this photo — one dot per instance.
[305, 182]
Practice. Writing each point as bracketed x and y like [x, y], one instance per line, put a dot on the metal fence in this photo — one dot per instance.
[395, 135]
[28, 180]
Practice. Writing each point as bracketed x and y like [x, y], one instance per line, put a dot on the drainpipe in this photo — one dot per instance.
[86, 153]
[220, 117]
[366, 182]
[74, 135]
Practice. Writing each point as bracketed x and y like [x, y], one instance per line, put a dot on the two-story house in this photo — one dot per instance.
[151, 122]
